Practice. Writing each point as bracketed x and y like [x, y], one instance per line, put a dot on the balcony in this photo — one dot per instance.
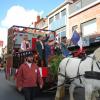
[79, 4]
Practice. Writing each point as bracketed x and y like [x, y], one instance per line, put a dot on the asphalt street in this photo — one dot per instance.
[8, 91]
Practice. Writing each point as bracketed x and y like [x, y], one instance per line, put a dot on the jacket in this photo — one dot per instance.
[28, 77]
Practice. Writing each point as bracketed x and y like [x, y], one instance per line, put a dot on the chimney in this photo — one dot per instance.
[38, 18]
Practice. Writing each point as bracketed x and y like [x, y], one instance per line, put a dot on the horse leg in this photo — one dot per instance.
[60, 93]
[57, 97]
[88, 92]
[60, 89]
[71, 91]
[94, 95]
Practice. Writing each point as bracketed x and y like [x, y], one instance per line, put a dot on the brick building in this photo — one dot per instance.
[41, 23]
[80, 15]
[1, 46]
[84, 15]
[1, 43]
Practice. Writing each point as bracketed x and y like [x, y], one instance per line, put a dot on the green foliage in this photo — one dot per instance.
[54, 63]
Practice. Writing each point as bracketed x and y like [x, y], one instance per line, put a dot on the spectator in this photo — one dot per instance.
[28, 77]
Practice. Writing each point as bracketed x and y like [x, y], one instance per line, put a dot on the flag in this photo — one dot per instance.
[77, 40]
[80, 44]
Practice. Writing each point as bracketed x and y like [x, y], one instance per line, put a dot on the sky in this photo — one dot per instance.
[23, 13]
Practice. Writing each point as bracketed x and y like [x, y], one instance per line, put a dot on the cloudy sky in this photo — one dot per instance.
[22, 12]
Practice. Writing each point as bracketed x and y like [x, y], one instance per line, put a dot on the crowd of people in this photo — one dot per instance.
[46, 48]
[28, 76]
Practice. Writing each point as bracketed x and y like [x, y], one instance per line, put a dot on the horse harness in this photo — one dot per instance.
[88, 74]
[69, 80]
[93, 74]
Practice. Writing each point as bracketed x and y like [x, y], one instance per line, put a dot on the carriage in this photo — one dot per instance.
[15, 56]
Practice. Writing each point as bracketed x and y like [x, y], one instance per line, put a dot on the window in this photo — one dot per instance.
[78, 5]
[51, 20]
[63, 34]
[57, 16]
[89, 27]
[63, 12]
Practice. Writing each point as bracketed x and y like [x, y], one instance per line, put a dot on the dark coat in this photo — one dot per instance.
[39, 49]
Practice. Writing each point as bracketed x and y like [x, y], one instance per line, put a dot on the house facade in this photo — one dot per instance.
[80, 15]
[84, 16]
[57, 20]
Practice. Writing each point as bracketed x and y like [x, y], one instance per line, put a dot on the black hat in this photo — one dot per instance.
[29, 54]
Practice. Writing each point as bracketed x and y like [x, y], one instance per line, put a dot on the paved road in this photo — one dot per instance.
[8, 91]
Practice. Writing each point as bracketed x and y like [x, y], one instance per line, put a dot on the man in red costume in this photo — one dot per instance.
[28, 77]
